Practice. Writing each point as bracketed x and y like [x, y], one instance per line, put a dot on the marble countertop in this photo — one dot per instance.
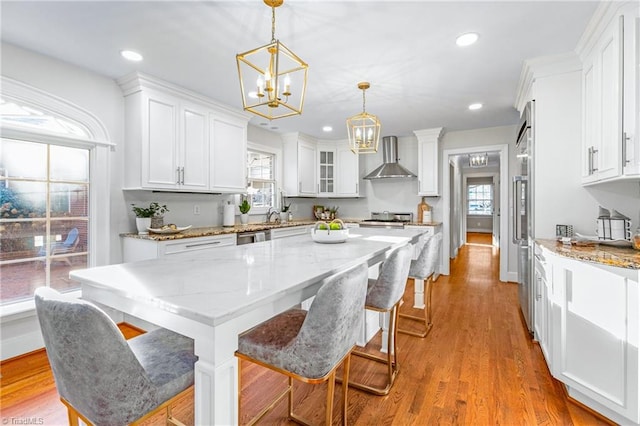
[215, 286]
[620, 257]
[209, 231]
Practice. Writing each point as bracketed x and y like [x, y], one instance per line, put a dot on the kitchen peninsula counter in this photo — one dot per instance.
[621, 257]
[212, 296]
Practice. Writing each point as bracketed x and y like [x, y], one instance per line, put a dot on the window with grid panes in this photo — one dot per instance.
[480, 199]
[261, 179]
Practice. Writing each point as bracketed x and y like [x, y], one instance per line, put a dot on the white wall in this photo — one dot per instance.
[102, 97]
[560, 196]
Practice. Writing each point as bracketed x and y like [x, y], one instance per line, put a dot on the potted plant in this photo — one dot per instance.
[145, 215]
[284, 213]
[244, 211]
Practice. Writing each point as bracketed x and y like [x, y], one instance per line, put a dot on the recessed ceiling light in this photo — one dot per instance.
[130, 55]
[467, 39]
[327, 129]
[475, 106]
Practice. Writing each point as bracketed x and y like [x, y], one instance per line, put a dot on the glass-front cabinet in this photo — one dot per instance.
[326, 172]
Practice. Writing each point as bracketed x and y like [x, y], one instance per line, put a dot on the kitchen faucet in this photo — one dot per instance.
[270, 213]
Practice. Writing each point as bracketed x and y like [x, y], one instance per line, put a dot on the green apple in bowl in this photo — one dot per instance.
[335, 226]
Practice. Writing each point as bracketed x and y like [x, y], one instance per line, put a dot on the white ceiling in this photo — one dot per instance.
[406, 49]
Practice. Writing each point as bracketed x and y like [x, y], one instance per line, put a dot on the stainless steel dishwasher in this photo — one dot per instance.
[252, 237]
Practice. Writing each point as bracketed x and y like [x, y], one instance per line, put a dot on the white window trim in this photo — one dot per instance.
[99, 145]
[252, 146]
[23, 94]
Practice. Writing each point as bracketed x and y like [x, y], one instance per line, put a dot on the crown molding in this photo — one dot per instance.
[541, 67]
[137, 81]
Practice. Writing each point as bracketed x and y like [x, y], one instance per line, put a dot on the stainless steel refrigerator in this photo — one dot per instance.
[523, 232]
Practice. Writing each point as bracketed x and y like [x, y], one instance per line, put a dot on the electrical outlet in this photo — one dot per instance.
[196, 209]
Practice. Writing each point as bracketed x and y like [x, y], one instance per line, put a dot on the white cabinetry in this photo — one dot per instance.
[543, 305]
[348, 171]
[338, 170]
[610, 93]
[326, 170]
[300, 165]
[135, 249]
[591, 343]
[277, 233]
[176, 140]
[319, 168]
[428, 142]
[228, 154]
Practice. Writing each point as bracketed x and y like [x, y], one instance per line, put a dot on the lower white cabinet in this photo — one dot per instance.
[135, 249]
[277, 233]
[589, 333]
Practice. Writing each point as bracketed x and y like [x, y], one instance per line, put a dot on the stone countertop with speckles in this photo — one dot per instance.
[209, 231]
[621, 257]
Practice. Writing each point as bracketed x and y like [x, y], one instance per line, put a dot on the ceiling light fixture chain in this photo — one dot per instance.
[273, 22]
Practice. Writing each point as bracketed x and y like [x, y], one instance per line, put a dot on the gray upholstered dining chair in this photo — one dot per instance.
[310, 346]
[384, 295]
[422, 271]
[102, 378]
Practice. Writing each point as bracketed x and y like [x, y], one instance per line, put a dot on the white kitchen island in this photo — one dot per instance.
[213, 296]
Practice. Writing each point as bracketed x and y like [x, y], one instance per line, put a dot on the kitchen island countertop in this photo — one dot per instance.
[621, 257]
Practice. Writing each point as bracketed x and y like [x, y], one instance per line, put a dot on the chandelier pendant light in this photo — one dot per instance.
[273, 79]
[478, 160]
[363, 128]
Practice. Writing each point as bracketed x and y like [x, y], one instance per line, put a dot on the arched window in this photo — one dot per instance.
[47, 152]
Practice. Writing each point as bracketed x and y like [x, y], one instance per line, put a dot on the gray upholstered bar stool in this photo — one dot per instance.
[422, 271]
[309, 346]
[104, 379]
[384, 295]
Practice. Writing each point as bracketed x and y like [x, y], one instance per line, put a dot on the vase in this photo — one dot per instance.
[283, 217]
[157, 222]
[244, 218]
[142, 223]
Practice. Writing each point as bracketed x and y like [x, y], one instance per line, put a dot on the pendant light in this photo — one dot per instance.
[478, 160]
[363, 128]
[273, 79]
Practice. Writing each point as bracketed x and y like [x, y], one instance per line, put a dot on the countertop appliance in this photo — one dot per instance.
[523, 203]
[387, 219]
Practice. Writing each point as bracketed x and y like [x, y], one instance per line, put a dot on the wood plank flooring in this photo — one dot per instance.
[477, 367]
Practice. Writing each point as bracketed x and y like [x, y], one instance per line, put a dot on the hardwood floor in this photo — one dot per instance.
[477, 367]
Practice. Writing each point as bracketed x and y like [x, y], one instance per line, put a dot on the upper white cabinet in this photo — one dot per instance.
[300, 165]
[179, 141]
[428, 142]
[338, 170]
[348, 172]
[326, 170]
[609, 50]
[319, 168]
[228, 154]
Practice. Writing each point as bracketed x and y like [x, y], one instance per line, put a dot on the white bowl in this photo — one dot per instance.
[327, 236]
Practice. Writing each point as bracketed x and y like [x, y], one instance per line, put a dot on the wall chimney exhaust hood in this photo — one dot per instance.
[390, 167]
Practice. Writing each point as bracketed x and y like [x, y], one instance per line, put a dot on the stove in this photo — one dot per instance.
[387, 220]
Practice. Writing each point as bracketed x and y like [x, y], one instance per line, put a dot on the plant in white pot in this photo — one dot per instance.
[244, 211]
[284, 214]
[144, 216]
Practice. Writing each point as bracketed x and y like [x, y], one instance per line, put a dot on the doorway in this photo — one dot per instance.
[454, 202]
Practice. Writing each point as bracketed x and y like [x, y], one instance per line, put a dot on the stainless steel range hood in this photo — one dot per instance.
[390, 167]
